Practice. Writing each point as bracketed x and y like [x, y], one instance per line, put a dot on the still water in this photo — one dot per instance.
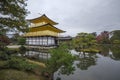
[94, 66]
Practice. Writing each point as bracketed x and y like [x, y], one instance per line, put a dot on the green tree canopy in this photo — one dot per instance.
[60, 59]
[84, 40]
[115, 36]
[21, 41]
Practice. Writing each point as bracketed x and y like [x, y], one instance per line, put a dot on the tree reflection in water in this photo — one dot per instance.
[112, 51]
[115, 52]
[86, 60]
[104, 50]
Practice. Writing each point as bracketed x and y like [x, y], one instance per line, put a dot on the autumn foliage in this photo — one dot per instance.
[4, 40]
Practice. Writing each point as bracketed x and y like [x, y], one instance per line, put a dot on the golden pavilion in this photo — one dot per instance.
[42, 32]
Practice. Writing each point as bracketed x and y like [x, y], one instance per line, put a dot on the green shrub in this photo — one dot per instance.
[3, 55]
[11, 51]
[116, 42]
[90, 50]
[3, 64]
[22, 50]
[21, 64]
[21, 41]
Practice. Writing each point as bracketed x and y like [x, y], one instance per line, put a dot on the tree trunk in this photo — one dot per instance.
[51, 76]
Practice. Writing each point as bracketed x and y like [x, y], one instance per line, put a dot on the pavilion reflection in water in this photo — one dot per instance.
[37, 55]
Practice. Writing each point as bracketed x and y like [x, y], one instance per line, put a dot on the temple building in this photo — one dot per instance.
[42, 32]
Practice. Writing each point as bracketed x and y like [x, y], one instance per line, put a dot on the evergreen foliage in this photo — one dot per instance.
[20, 64]
[21, 41]
[13, 15]
[22, 50]
[61, 59]
[115, 37]
[84, 40]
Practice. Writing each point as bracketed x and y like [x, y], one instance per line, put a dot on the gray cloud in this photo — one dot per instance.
[76, 16]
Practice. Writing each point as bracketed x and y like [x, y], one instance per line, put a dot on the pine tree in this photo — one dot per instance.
[12, 15]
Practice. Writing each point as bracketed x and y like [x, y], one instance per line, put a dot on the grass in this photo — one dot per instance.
[11, 74]
[7, 73]
[3, 64]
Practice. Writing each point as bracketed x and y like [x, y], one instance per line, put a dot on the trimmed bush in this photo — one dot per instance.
[3, 56]
[21, 64]
[3, 64]
[90, 50]
[22, 50]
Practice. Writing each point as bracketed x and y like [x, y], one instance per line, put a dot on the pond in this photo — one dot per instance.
[94, 66]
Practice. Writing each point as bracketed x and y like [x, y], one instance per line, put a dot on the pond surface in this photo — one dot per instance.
[94, 66]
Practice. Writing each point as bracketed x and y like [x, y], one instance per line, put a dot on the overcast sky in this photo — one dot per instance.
[76, 16]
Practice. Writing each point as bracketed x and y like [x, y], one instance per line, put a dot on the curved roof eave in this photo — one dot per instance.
[43, 16]
[61, 31]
